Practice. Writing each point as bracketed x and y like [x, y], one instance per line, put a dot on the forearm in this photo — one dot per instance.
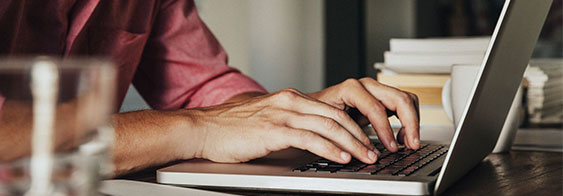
[16, 123]
[143, 138]
[149, 137]
[15, 131]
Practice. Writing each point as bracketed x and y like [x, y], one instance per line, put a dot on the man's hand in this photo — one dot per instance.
[241, 131]
[376, 102]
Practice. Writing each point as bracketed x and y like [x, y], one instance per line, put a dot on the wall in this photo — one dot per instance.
[386, 19]
[277, 42]
[229, 21]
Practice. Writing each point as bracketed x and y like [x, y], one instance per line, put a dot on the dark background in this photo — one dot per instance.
[358, 31]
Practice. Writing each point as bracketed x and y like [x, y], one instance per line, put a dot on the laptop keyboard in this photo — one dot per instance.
[401, 163]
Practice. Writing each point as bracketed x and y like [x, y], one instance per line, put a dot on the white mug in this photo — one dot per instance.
[455, 95]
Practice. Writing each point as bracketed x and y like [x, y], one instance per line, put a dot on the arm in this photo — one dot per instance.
[144, 138]
[233, 132]
[254, 126]
[16, 123]
[150, 137]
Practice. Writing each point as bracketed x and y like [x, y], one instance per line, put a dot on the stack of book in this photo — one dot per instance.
[544, 96]
[434, 55]
[428, 88]
[422, 66]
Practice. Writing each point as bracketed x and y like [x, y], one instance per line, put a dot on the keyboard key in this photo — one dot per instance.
[394, 167]
[402, 163]
[370, 169]
[323, 161]
[336, 165]
[301, 169]
[353, 168]
[408, 171]
[346, 170]
[327, 170]
[386, 161]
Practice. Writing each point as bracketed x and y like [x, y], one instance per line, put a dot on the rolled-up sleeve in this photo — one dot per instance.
[183, 64]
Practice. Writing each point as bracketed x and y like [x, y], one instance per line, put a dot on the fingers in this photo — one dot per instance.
[340, 116]
[404, 104]
[402, 138]
[303, 104]
[305, 113]
[357, 96]
[312, 142]
[332, 130]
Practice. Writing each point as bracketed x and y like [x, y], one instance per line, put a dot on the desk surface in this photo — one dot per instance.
[513, 173]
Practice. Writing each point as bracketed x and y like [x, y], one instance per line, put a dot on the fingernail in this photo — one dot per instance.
[345, 156]
[416, 141]
[394, 145]
[371, 155]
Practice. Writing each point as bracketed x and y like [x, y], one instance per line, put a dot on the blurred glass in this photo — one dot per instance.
[55, 133]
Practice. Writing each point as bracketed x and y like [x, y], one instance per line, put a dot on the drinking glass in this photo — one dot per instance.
[55, 133]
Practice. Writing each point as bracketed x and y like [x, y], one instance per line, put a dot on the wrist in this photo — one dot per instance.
[189, 135]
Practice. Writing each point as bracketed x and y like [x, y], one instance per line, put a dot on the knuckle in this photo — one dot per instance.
[404, 98]
[341, 115]
[351, 82]
[330, 124]
[269, 126]
[291, 90]
[366, 139]
[286, 95]
[307, 137]
[329, 150]
[379, 108]
[368, 79]
[413, 97]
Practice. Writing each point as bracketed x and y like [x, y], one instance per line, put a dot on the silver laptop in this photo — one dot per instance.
[430, 170]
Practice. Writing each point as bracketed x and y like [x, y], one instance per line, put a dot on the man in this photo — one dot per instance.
[202, 107]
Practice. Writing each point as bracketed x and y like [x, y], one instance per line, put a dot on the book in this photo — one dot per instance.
[422, 67]
[426, 96]
[440, 45]
[430, 116]
[394, 59]
[544, 81]
[428, 87]
[413, 69]
[413, 80]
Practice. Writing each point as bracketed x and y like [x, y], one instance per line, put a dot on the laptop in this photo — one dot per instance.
[429, 170]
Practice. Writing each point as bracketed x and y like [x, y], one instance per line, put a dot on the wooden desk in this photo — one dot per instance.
[513, 173]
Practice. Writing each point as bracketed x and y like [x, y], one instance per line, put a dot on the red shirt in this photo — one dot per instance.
[161, 46]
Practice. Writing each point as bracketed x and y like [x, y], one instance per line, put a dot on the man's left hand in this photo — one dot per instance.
[376, 101]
